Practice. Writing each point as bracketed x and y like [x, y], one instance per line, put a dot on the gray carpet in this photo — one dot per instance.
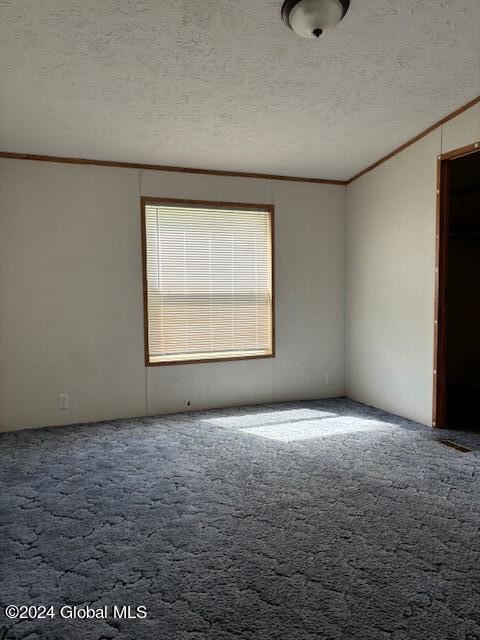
[311, 520]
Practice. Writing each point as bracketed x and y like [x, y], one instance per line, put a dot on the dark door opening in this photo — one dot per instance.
[458, 294]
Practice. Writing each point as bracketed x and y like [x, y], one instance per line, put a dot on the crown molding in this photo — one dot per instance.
[239, 174]
[418, 137]
[160, 167]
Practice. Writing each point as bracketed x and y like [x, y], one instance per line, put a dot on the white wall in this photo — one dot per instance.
[71, 315]
[390, 274]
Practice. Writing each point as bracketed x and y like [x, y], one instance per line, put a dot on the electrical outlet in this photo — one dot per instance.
[328, 377]
[63, 402]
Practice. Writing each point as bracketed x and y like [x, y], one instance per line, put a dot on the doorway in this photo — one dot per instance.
[457, 321]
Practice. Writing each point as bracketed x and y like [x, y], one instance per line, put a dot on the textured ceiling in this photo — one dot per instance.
[223, 84]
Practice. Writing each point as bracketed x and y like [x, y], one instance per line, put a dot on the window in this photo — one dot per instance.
[208, 281]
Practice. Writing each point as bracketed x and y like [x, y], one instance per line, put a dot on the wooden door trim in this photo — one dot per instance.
[439, 417]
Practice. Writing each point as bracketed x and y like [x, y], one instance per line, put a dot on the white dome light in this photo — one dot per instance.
[310, 18]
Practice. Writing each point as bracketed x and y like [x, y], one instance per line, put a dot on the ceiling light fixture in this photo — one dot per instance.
[310, 18]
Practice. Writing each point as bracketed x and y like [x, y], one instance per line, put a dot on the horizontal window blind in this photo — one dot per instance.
[208, 282]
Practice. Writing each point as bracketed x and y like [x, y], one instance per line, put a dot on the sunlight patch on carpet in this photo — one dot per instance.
[321, 428]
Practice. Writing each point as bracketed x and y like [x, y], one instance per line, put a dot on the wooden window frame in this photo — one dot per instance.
[439, 412]
[268, 208]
